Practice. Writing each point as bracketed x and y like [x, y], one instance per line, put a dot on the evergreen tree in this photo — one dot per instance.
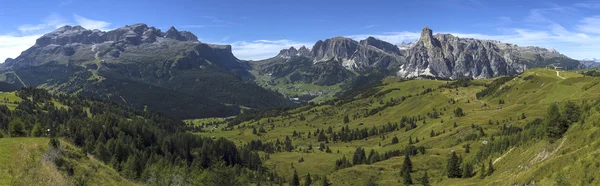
[16, 128]
[325, 181]
[553, 122]
[307, 180]
[482, 171]
[453, 166]
[346, 119]
[371, 182]
[491, 169]
[37, 130]
[406, 177]
[425, 179]
[467, 170]
[394, 140]
[295, 179]
[407, 164]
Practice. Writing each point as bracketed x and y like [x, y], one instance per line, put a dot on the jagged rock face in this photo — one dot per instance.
[338, 48]
[447, 56]
[131, 34]
[367, 54]
[75, 44]
[291, 52]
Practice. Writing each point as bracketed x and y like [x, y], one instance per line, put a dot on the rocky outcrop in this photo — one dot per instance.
[448, 56]
[338, 48]
[439, 55]
[130, 34]
[76, 45]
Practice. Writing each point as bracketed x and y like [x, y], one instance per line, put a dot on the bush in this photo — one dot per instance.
[54, 143]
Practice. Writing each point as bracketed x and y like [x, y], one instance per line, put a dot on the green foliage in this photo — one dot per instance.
[493, 87]
[592, 73]
[467, 170]
[458, 112]
[407, 165]
[490, 168]
[407, 178]
[325, 181]
[307, 180]
[425, 179]
[558, 120]
[139, 143]
[395, 140]
[54, 143]
[16, 128]
[453, 166]
[37, 130]
[221, 174]
[295, 179]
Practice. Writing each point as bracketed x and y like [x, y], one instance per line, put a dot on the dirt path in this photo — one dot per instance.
[558, 74]
[498, 159]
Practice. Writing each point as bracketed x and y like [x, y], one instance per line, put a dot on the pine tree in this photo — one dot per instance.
[394, 140]
[425, 179]
[407, 178]
[295, 179]
[307, 180]
[467, 170]
[325, 181]
[482, 171]
[346, 119]
[407, 164]
[453, 166]
[490, 168]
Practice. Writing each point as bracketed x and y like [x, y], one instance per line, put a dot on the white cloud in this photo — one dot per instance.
[53, 21]
[91, 24]
[12, 46]
[590, 25]
[391, 37]
[262, 49]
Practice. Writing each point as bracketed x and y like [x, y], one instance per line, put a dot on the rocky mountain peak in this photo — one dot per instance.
[382, 45]
[303, 51]
[287, 53]
[131, 34]
[292, 51]
[427, 38]
[173, 33]
[337, 48]
[406, 46]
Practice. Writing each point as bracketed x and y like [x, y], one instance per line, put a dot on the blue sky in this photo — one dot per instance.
[258, 29]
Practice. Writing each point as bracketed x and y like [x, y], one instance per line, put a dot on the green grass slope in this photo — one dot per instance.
[29, 161]
[493, 118]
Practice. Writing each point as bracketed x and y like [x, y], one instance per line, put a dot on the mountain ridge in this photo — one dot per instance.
[141, 66]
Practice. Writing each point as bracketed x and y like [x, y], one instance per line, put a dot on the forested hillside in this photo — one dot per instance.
[539, 127]
[143, 147]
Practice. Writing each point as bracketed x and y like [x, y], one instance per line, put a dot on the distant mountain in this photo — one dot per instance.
[341, 60]
[170, 72]
[591, 63]
[448, 56]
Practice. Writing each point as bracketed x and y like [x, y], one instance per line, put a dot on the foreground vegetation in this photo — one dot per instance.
[503, 131]
[535, 128]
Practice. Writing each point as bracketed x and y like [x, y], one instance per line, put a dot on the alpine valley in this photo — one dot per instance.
[139, 106]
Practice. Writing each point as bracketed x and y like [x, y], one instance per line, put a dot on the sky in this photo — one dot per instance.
[259, 29]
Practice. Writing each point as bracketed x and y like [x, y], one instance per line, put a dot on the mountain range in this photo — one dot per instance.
[174, 73]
